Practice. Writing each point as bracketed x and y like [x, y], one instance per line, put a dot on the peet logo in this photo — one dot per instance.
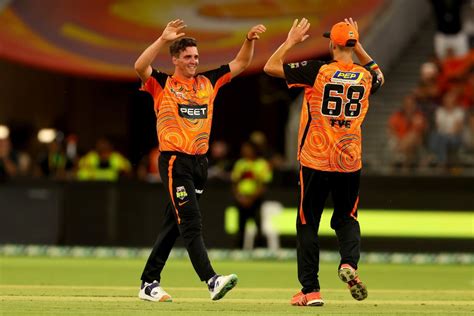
[193, 111]
[346, 77]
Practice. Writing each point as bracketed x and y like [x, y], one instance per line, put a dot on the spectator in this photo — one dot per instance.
[468, 137]
[446, 139]
[427, 98]
[466, 95]
[407, 127]
[148, 168]
[453, 70]
[250, 176]
[53, 163]
[468, 18]
[220, 166]
[71, 149]
[8, 160]
[260, 140]
[429, 71]
[449, 27]
[103, 163]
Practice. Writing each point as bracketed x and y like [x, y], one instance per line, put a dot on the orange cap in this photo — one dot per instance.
[343, 34]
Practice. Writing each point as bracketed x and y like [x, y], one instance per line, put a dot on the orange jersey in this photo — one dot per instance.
[184, 108]
[334, 107]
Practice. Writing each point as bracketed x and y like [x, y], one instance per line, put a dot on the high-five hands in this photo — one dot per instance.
[254, 33]
[173, 29]
[353, 23]
[297, 33]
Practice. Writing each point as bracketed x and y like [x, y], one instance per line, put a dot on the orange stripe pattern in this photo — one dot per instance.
[302, 218]
[178, 133]
[333, 143]
[170, 185]
[354, 210]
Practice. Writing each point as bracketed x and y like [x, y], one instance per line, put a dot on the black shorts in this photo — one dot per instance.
[315, 187]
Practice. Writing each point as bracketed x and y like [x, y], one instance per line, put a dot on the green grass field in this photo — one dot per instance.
[81, 286]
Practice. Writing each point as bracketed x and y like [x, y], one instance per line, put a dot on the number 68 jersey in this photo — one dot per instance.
[334, 107]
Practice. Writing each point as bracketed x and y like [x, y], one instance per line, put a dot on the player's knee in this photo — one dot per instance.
[340, 222]
[190, 228]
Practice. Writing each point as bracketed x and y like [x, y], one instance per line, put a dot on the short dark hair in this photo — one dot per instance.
[345, 48]
[181, 44]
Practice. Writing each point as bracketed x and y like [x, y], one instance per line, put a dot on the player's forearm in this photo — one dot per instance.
[361, 54]
[274, 65]
[144, 61]
[243, 58]
[365, 59]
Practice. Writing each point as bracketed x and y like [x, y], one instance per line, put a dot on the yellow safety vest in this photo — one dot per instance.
[89, 167]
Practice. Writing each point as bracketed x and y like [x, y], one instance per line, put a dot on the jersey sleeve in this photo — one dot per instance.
[155, 83]
[303, 73]
[376, 82]
[219, 76]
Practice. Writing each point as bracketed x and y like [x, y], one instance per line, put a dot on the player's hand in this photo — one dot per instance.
[298, 31]
[172, 30]
[254, 33]
[353, 23]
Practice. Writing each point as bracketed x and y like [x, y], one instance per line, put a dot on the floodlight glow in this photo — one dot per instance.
[46, 135]
[4, 132]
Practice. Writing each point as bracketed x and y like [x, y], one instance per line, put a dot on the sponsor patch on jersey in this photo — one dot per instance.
[181, 193]
[294, 65]
[297, 65]
[192, 111]
[346, 77]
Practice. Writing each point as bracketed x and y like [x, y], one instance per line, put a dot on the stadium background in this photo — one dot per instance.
[72, 247]
[68, 66]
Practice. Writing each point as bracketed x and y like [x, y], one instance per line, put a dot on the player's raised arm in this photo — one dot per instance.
[245, 54]
[297, 34]
[363, 56]
[170, 33]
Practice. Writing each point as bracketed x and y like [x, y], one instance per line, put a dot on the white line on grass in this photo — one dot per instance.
[238, 289]
[227, 300]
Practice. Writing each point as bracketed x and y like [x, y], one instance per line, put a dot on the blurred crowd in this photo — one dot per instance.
[433, 129]
[247, 175]
[434, 126]
[58, 158]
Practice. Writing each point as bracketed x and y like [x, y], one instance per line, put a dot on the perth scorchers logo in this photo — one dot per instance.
[181, 192]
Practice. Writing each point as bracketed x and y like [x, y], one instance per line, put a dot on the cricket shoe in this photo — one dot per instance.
[219, 285]
[153, 292]
[349, 275]
[309, 299]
